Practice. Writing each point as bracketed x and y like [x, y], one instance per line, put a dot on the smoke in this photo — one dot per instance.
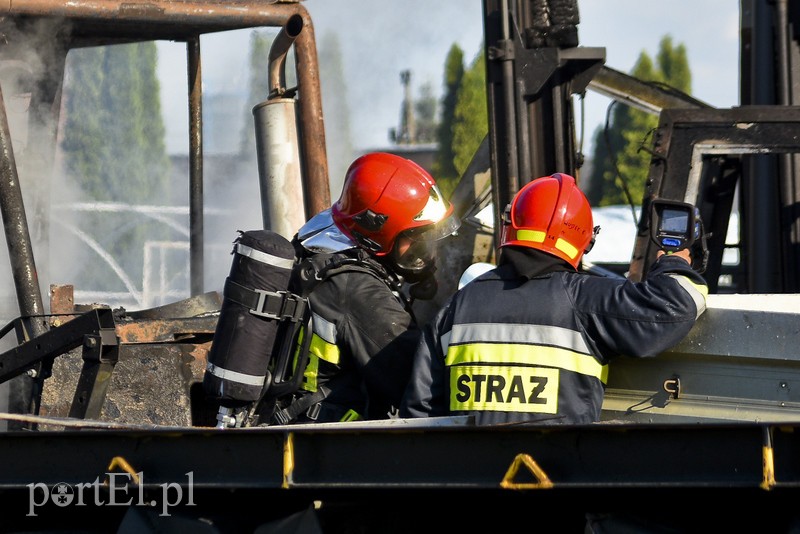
[378, 40]
[28, 60]
[27, 48]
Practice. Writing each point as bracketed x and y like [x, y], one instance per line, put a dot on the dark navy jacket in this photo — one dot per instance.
[530, 341]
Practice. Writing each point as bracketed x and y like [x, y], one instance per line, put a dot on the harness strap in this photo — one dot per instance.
[299, 405]
[313, 270]
[278, 305]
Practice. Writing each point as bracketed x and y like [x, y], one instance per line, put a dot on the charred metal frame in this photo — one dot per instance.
[101, 338]
[698, 156]
[531, 127]
[106, 22]
[94, 331]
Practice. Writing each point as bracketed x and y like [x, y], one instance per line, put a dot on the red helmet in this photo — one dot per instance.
[551, 214]
[385, 195]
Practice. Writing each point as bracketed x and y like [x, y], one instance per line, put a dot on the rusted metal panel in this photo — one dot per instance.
[104, 22]
[62, 299]
[150, 384]
[166, 330]
[160, 362]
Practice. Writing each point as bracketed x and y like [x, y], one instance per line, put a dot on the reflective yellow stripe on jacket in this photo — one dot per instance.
[699, 293]
[323, 347]
[502, 366]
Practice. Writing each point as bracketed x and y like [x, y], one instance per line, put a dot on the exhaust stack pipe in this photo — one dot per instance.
[277, 146]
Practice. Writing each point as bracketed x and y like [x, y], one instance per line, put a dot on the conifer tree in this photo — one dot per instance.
[444, 167]
[84, 122]
[113, 143]
[620, 166]
[471, 117]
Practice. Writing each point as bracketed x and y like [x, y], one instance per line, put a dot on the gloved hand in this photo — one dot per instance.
[686, 254]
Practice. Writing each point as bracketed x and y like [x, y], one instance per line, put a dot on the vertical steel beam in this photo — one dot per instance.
[23, 266]
[196, 231]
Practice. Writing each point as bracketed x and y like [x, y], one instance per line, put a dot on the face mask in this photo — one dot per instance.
[415, 249]
[416, 256]
[425, 289]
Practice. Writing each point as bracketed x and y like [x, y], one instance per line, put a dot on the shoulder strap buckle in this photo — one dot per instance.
[279, 305]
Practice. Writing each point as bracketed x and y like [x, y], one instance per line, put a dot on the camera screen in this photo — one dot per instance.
[673, 220]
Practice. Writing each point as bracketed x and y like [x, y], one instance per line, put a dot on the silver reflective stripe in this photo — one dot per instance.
[233, 376]
[515, 333]
[323, 328]
[263, 257]
[445, 340]
[698, 293]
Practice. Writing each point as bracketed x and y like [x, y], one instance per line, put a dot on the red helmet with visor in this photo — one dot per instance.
[385, 197]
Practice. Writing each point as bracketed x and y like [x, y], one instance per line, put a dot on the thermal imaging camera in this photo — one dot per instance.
[674, 225]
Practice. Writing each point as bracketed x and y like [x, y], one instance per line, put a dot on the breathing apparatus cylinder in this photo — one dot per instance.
[248, 325]
[279, 166]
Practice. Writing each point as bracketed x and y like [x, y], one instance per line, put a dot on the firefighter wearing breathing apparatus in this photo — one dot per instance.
[361, 256]
[531, 340]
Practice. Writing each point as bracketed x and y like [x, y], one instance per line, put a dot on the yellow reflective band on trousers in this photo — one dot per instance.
[504, 388]
[513, 353]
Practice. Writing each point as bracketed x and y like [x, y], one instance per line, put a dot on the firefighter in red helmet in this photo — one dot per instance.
[530, 340]
[392, 208]
[375, 242]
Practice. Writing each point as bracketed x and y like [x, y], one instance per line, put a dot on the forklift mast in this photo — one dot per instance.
[741, 161]
[533, 66]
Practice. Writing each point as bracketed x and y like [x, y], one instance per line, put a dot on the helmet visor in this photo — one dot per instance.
[434, 232]
[414, 258]
[415, 248]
